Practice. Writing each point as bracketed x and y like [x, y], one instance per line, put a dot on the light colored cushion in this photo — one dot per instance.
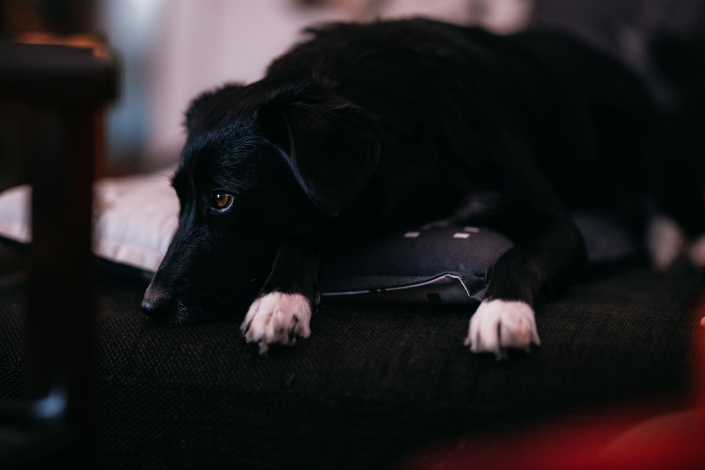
[135, 218]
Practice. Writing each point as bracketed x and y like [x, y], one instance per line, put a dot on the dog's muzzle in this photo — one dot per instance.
[156, 302]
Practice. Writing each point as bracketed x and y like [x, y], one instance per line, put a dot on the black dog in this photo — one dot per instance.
[366, 128]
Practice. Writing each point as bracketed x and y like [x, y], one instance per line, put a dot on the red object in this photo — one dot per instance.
[654, 436]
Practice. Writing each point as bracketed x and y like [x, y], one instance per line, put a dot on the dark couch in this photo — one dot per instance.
[371, 384]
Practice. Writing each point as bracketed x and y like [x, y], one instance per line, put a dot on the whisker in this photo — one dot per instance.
[251, 280]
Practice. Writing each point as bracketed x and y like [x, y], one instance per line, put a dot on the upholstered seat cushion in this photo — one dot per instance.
[371, 383]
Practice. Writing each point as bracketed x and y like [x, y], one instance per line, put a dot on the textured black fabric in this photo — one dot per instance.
[370, 383]
[412, 258]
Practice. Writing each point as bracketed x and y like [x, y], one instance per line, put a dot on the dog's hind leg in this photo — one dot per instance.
[282, 311]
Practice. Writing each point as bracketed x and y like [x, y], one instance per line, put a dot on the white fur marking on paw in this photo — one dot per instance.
[500, 324]
[277, 318]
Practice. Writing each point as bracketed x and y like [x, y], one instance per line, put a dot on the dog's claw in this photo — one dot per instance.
[498, 325]
[263, 347]
[277, 318]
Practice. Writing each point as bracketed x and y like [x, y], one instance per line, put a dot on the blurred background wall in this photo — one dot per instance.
[172, 50]
[184, 47]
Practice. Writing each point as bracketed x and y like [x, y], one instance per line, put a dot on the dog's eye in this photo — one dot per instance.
[221, 200]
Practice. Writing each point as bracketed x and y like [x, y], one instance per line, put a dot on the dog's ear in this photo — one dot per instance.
[332, 144]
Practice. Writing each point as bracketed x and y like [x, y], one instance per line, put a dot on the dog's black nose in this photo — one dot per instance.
[156, 302]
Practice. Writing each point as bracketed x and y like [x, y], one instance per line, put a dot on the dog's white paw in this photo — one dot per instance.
[499, 324]
[277, 318]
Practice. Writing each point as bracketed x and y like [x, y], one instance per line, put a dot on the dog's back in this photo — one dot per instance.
[446, 95]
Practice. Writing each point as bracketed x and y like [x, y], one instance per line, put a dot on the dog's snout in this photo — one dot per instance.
[156, 302]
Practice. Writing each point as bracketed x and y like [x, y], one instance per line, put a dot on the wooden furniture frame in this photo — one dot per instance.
[66, 88]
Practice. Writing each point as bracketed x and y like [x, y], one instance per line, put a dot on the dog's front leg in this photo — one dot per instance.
[548, 249]
[282, 311]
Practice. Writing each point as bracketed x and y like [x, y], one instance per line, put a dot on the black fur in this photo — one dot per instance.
[365, 128]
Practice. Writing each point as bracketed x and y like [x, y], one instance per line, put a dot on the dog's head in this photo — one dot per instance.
[262, 164]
